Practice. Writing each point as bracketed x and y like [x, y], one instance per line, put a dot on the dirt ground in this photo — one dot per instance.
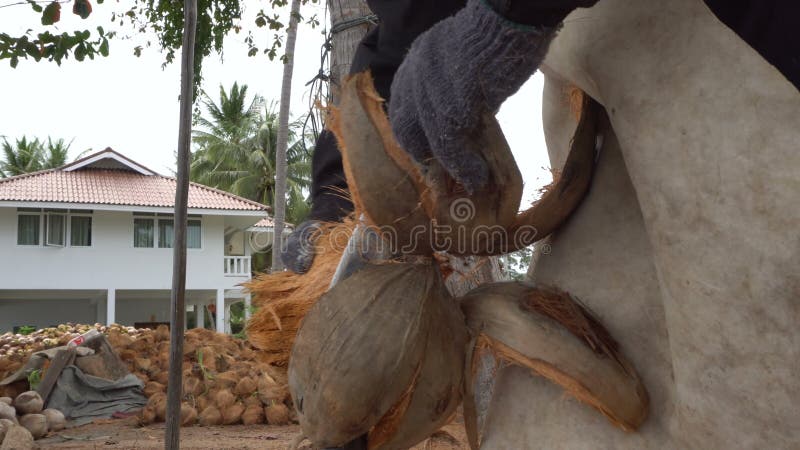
[127, 434]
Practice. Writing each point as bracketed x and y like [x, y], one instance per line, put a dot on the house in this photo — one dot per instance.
[92, 242]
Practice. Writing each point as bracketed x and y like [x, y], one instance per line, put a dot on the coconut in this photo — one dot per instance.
[162, 377]
[232, 414]
[153, 387]
[162, 333]
[210, 417]
[29, 402]
[55, 419]
[147, 416]
[253, 414]
[226, 380]
[389, 187]
[269, 391]
[549, 332]
[381, 352]
[245, 386]
[35, 423]
[158, 402]
[6, 400]
[251, 400]
[17, 438]
[192, 386]
[188, 415]
[277, 414]
[224, 399]
[7, 412]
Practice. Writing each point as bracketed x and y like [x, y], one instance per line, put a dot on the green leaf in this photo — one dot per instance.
[36, 7]
[104, 47]
[82, 8]
[261, 21]
[51, 14]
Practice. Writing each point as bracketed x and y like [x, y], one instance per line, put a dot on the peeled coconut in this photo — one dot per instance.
[35, 423]
[6, 400]
[549, 332]
[7, 412]
[55, 419]
[393, 191]
[381, 352]
[277, 414]
[210, 417]
[17, 438]
[29, 402]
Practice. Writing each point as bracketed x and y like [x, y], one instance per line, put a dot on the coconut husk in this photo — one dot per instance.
[551, 333]
[277, 414]
[269, 391]
[284, 298]
[193, 386]
[158, 403]
[232, 414]
[392, 190]
[245, 387]
[161, 333]
[153, 387]
[162, 377]
[17, 438]
[252, 400]
[147, 416]
[224, 399]
[383, 348]
[226, 380]
[253, 414]
[142, 364]
[210, 417]
[188, 415]
[201, 402]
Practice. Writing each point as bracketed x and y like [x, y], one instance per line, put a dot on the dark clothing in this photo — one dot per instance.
[771, 27]
[382, 50]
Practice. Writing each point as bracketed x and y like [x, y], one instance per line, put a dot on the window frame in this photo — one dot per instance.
[91, 227]
[156, 219]
[38, 215]
[43, 214]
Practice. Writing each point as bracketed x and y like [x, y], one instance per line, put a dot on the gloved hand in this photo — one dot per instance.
[463, 67]
[298, 254]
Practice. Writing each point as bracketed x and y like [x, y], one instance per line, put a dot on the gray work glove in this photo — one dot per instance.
[298, 253]
[463, 67]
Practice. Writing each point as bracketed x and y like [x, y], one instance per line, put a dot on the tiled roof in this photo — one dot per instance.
[90, 185]
[268, 222]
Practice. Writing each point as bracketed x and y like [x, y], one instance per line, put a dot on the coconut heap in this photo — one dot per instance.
[224, 380]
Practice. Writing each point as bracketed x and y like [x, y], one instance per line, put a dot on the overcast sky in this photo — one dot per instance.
[131, 105]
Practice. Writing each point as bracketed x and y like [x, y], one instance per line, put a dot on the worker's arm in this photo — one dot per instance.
[466, 66]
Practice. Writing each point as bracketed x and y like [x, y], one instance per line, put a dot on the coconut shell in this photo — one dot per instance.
[188, 415]
[55, 419]
[35, 423]
[551, 333]
[210, 417]
[371, 349]
[246, 386]
[29, 402]
[17, 438]
[232, 414]
[192, 386]
[277, 414]
[389, 187]
[6, 400]
[253, 414]
[147, 416]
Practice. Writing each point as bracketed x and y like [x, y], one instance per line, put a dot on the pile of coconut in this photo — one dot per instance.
[224, 381]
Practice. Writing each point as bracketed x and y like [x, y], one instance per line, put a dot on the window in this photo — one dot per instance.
[28, 229]
[55, 226]
[158, 229]
[193, 234]
[80, 231]
[143, 232]
[166, 233]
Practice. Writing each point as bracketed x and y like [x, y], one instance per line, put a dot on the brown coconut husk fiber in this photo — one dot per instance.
[284, 298]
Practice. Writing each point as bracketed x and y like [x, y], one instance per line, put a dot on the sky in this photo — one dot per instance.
[131, 104]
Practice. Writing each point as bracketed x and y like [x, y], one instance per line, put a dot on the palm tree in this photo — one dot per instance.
[27, 156]
[236, 150]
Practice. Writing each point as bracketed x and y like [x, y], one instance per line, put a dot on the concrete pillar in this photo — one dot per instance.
[111, 306]
[220, 310]
[248, 300]
[199, 315]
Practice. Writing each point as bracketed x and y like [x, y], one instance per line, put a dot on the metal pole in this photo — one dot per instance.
[177, 299]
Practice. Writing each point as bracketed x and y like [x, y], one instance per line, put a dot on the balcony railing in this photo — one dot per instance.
[237, 266]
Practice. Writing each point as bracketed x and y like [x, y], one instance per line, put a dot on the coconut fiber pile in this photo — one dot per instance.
[224, 381]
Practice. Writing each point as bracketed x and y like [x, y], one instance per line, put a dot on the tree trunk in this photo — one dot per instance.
[283, 139]
[345, 38]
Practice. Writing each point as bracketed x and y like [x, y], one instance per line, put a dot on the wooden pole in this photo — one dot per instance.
[177, 299]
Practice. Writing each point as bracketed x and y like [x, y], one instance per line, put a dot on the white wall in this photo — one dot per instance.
[46, 312]
[111, 261]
